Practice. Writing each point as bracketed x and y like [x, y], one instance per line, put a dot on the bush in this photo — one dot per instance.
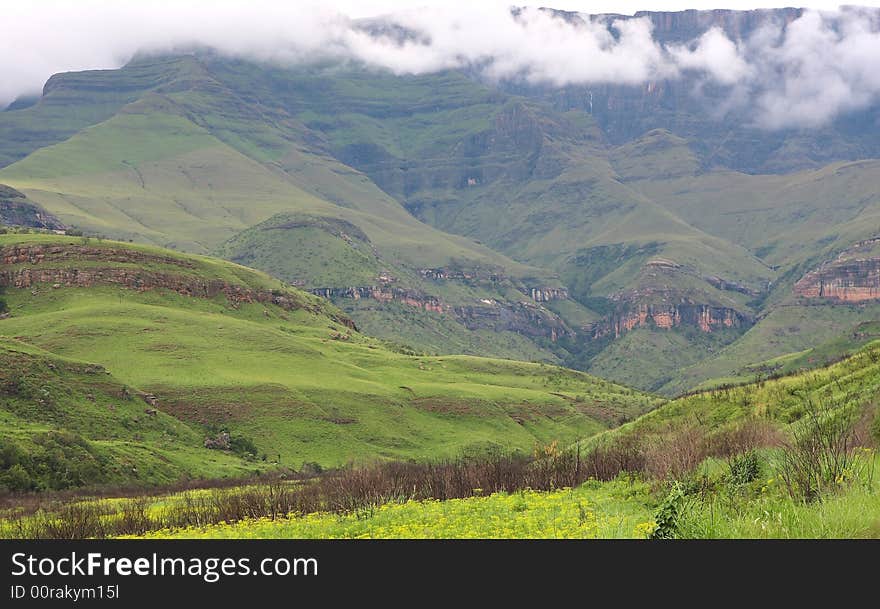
[744, 468]
[243, 446]
[819, 456]
[667, 514]
[58, 460]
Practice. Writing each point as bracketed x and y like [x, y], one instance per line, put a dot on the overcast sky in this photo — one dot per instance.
[802, 74]
[374, 7]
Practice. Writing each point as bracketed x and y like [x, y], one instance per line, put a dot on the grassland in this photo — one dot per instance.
[263, 164]
[298, 383]
[725, 463]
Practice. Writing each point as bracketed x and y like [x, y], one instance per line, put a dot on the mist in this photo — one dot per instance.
[803, 74]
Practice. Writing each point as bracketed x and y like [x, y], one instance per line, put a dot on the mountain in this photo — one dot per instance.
[145, 362]
[634, 232]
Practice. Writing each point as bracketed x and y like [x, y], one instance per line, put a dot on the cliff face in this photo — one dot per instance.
[521, 317]
[385, 294]
[39, 271]
[846, 279]
[706, 318]
[548, 294]
[718, 139]
[17, 210]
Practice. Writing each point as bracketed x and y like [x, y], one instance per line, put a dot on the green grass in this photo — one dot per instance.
[852, 514]
[792, 331]
[436, 171]
[65, 423]
[301, 386]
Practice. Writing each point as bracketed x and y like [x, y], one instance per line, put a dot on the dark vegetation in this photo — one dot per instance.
[56, 460]
[815, 458]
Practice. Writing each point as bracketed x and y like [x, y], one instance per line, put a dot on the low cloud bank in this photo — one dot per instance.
[801, 74]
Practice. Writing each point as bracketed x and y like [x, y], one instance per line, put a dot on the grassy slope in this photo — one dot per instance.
[283, 380]
[621, 508]
[70, 423]
[208, 166]
[850, 385]
[792, 222]
[786, 331]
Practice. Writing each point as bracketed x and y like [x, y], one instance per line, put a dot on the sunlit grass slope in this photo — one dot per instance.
[301, 385]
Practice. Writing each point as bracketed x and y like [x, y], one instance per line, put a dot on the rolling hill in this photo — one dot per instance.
[142, 358]
[632, 232]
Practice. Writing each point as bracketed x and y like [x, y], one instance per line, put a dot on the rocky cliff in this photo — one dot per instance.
[854, 276]
[706, 318]
[17, 210]
[29, 266]
[385, 294]
[528, 319]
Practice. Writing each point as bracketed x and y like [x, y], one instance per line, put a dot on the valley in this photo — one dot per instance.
[378, 288]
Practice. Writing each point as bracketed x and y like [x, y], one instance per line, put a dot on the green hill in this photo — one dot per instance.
[225, 348]
[458, 216]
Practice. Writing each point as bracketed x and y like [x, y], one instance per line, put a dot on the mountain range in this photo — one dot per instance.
[629, 231]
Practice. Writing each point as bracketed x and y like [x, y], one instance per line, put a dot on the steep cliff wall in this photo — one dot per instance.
[706, 318]
[854, 280]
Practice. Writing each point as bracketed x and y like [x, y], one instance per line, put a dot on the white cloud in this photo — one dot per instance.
[803, 74]
[715, 54]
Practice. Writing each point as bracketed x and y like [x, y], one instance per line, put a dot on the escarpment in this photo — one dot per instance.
[854, 276]
[526, 318]
[705, 317]
[17, 210]
[385, 294]
[27, 266]
[842, 281]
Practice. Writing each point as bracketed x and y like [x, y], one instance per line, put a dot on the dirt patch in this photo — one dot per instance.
[447, 406]
[222, 405]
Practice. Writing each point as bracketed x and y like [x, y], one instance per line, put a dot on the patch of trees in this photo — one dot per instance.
[57, 460]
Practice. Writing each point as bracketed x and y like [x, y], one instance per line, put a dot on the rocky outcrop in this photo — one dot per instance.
[42, 254]
[851, 280]
[447, 274]
[730, 286]
[705, 317]
[548, 294]
[384, 294]
[524, 318]
[39, 271]
[17, 210]
[521, 317]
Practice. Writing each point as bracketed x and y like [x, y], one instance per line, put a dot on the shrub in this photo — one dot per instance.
[58, 460]
[819, 456]
[243, 446]
[744, 468]
[667, 514]
[676, 454]
[748, 435]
